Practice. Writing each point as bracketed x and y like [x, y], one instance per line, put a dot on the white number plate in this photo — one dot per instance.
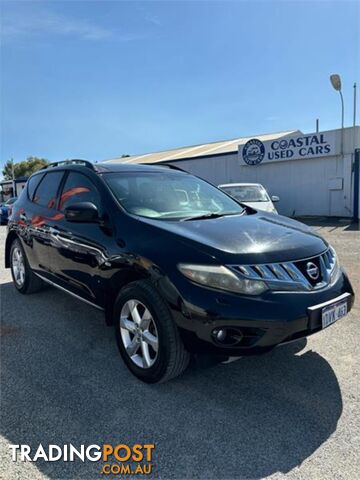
[332, 313]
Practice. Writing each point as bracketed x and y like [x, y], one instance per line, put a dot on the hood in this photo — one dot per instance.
[257, 238]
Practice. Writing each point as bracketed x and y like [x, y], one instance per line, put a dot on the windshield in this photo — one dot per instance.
[169, 196]
[247, 193]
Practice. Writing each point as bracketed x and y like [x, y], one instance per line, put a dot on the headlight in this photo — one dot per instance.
[336, 268]
[221, 278]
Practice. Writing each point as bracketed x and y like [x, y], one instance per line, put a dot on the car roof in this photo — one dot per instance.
[108, 167]
[241, 185]
[137, 167]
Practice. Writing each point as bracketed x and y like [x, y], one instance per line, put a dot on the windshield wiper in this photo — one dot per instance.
[206, 216]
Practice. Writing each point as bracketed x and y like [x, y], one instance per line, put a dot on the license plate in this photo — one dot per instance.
[332, 313]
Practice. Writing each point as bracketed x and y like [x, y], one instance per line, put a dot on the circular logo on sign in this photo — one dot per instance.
[253, 152]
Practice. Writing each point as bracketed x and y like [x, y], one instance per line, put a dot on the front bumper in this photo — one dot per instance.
[263, 321]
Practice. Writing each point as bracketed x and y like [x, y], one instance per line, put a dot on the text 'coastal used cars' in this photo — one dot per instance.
[178, 266]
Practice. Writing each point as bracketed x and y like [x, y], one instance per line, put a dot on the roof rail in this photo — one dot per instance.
[168, 165]
[73, 161]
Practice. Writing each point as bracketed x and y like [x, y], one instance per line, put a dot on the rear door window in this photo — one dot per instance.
[32, 184]
[78, 188]
[46, 192]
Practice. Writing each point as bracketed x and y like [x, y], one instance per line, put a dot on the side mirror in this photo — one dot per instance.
[275, 198]
[82, 212]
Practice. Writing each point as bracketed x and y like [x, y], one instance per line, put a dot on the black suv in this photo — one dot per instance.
[177, 265]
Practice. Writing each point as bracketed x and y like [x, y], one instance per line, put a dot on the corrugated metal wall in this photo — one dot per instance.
[318, 186]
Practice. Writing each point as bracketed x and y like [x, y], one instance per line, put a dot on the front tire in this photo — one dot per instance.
[146, 334]
[23, 277]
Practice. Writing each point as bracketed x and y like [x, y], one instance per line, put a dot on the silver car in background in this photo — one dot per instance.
[252, 194]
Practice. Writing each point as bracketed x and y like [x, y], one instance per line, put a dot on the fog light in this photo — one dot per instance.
[228, 336]
[220, 335]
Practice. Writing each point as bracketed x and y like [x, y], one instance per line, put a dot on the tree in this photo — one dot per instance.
[24, 168]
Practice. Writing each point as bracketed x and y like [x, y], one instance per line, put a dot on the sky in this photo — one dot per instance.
[98, 79]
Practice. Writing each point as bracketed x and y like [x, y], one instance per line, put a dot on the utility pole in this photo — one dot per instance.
[13, 177]
[354, 118]
[336, 83]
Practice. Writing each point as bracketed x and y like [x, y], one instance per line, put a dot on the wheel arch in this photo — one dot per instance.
[119, 281]
[9, 240]
[142, 270]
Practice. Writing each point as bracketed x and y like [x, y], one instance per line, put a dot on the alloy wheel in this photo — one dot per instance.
[18, 266]
[139, 333]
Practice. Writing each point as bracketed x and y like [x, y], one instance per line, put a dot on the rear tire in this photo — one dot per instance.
[24, 278]
[146, 334]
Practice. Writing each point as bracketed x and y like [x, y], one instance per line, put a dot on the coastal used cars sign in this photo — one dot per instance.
[255, 152]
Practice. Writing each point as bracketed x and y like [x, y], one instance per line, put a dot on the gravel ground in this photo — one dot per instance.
[293, 413]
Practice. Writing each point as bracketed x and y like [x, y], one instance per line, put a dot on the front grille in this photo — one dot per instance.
[302, 265]
[307, 274]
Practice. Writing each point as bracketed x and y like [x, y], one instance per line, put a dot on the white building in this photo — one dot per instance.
[313, 174]
[11, 188]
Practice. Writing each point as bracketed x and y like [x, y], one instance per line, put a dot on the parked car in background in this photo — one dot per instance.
[6, 209]
[252, 194]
